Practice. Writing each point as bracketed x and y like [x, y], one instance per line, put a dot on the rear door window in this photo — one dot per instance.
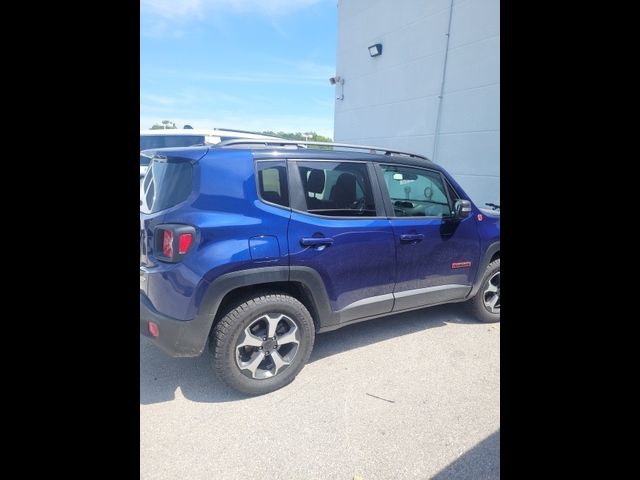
[337, 189]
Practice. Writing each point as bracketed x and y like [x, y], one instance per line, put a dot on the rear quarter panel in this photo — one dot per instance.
[227, 213]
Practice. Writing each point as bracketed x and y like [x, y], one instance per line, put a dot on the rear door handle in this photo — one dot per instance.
[411, 237]
[316, 242]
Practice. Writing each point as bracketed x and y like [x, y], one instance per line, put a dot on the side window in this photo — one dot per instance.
[416, 192]
[272, 182]
[337, 189]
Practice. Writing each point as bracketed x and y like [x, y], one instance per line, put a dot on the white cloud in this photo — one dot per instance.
[254, 77]
[169, 18]
[253, 122]
[190, 98]
[166, 18]
[285, 72]
[171, 9]
[157, 99]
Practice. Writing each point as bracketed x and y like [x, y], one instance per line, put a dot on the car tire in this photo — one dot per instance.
[485, 306]
[248, 363]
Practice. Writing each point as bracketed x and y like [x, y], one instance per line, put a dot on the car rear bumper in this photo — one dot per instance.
[178, 338]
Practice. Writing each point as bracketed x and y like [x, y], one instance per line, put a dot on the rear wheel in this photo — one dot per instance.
[485, 306]
[263, 343]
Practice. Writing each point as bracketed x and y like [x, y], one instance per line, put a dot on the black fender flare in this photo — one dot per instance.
[486, 258]
[315, 290]
[196, 336]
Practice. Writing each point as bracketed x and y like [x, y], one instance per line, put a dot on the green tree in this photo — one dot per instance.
[164, 125]
[306, 136]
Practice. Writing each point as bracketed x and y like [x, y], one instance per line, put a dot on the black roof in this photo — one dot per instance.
[323, 150]
[265, 153]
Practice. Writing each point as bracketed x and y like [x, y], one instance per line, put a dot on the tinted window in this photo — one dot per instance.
[416, 192]
[340, 189]
[272, 183]
[166, 184]
[162, 141]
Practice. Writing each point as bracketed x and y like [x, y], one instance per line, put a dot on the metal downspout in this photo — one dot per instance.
[444, 74]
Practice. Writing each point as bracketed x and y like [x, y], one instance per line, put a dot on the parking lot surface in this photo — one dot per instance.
[410, 396]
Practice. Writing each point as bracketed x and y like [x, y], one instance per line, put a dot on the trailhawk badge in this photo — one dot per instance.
[460, 264]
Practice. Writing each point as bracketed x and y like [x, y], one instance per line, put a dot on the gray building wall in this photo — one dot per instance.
[393, 100]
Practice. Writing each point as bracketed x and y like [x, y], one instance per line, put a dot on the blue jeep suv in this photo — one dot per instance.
[254, 247]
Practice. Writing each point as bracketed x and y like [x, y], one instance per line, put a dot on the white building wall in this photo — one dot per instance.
[393, 100]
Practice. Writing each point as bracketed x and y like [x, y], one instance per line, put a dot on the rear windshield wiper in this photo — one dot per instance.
[493, 205]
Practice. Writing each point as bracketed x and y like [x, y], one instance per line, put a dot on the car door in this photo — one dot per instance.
[339, 230]
[437, 256]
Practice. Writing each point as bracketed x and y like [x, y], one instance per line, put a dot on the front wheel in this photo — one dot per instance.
[485, 306]
[263, 343]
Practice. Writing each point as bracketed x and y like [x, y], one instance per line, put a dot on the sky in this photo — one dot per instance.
[246, 64]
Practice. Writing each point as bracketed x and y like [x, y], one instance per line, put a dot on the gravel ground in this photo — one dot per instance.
[411, 396]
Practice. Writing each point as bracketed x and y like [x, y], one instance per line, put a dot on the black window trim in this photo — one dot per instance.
[257, 181]
[452, 189]
[387, 196]
[298, 202]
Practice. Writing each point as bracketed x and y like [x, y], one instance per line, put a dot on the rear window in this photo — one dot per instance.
[163, 141]
[272, 182]
[165, 185]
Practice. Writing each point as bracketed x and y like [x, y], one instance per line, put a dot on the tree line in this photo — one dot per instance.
[303, 136]
[306, 136]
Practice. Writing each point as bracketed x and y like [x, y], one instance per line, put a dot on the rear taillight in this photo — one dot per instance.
[184, 243]
[173, 241]
[167, 243]
[153, 329]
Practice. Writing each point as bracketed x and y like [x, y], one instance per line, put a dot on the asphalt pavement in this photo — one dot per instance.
[410, 396]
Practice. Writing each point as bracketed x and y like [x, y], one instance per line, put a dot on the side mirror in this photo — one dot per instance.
[462, 209]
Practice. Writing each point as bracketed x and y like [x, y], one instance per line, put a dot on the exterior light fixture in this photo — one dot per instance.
[375, 50]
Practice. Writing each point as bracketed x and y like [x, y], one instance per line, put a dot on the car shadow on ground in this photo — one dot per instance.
[481, 462]
[160, 375]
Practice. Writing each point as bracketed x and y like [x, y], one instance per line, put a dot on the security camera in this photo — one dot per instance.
[336, 79]
[332, 80]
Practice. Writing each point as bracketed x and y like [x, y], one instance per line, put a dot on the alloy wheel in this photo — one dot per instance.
[267, 346]
[491, 294]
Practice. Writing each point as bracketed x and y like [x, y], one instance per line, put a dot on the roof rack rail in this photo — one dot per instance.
[346, 146]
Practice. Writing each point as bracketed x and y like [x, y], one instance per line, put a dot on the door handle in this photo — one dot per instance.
[316, 242]
[411, 237]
